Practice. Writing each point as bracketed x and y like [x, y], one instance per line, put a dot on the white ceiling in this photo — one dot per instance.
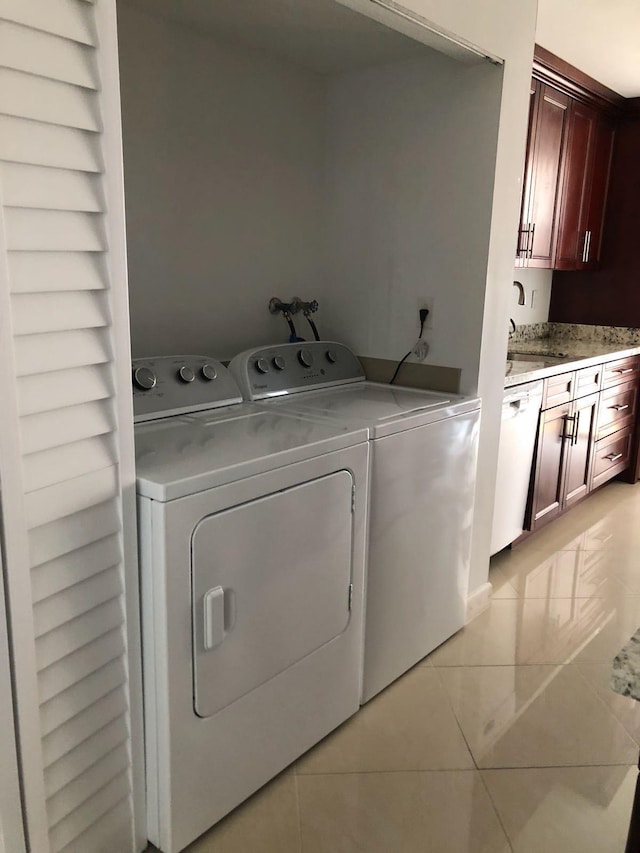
[600, 37]
[320, 35]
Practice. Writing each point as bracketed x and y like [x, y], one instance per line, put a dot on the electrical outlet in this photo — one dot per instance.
[427, 302]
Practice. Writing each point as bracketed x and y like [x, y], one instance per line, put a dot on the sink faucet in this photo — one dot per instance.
[522, 296]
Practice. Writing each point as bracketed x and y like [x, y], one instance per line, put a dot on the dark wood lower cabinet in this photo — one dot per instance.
[562, 473]
[582, 443]
[584, 418]
[550, 464]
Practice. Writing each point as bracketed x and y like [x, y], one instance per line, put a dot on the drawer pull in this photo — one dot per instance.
[613, 457]
[624, 370]
[620, 408]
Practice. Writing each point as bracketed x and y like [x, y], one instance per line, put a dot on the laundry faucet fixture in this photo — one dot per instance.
[522, 296]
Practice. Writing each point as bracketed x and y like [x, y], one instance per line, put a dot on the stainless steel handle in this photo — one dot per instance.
[532, 232]
[613, 457]
[574, 437]
[522, 246]
[624, 370]
[620, 408]
[568, 418]
[588, 247]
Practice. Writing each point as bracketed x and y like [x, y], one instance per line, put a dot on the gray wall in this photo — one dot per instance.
[223, 157]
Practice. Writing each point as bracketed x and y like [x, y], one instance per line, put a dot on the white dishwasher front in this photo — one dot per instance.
[520, 413]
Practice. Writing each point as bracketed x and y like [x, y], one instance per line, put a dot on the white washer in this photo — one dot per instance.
[422, 487]
[252, 528]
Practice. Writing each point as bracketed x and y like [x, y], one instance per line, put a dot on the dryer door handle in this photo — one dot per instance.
[214, 632]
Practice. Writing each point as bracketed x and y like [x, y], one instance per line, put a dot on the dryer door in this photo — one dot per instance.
[271, 584]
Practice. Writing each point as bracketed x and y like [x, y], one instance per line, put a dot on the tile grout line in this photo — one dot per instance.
[495, 809]
[455, 716]
[298, 809]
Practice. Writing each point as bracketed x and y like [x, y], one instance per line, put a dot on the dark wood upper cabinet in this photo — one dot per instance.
[547, 130]
[600, 178]
[567, 167]
[584, 192]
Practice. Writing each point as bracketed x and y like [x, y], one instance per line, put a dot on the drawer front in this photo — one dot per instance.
[612, 455]
[618, 406]
[588, 380]
[558, 390]
[621, 370]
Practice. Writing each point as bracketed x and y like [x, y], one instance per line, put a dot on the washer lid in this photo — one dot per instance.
[384, 409]
[186, 454]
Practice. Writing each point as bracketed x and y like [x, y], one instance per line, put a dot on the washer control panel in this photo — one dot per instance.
[180, 384]
[289, 368]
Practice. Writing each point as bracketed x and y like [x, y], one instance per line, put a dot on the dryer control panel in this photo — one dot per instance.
[289, 368]
[180, 384]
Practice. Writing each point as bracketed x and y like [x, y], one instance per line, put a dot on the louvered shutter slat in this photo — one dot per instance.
[51, 189]
[71, 670]
[111, 829]
[66, 536]
[72, 765]
[28, 96]
[25, 49]
[67, 18]
[73, 795]
[53, 230]
[40, 144]
[60, 350]
[50, 467]
[72, 602]
[74, 732]
[71, 702]
[68, 830]
[60, 388]
[41, 272]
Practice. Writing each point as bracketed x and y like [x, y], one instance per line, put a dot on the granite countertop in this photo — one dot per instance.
[625, 677]
[537, 359]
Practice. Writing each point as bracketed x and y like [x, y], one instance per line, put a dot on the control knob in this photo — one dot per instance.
[145, 378]
[305, 358]
[262, 365]
[279, 363]
[209, 372]
[331, 356]
[186, 374]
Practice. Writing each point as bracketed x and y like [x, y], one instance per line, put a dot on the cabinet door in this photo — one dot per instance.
[549, 135]
[548, 485]
[583, 419]
[524, 230]
[579, 157]
[600, 172]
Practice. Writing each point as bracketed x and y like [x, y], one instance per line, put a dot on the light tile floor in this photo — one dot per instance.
[507, 738]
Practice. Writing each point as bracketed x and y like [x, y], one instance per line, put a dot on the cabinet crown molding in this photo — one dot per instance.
[550, 69]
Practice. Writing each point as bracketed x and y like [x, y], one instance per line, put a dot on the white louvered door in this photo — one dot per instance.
[66, 443]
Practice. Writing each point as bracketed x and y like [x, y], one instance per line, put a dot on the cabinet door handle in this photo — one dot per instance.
[613, 457]
[532, 233]
[624, 370]
[588, 246]
[571, 436]
[620, 408]
[522, 246]
[574, 437]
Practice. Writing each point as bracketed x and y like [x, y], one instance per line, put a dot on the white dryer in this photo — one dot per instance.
[422, 488]
[252, 529]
